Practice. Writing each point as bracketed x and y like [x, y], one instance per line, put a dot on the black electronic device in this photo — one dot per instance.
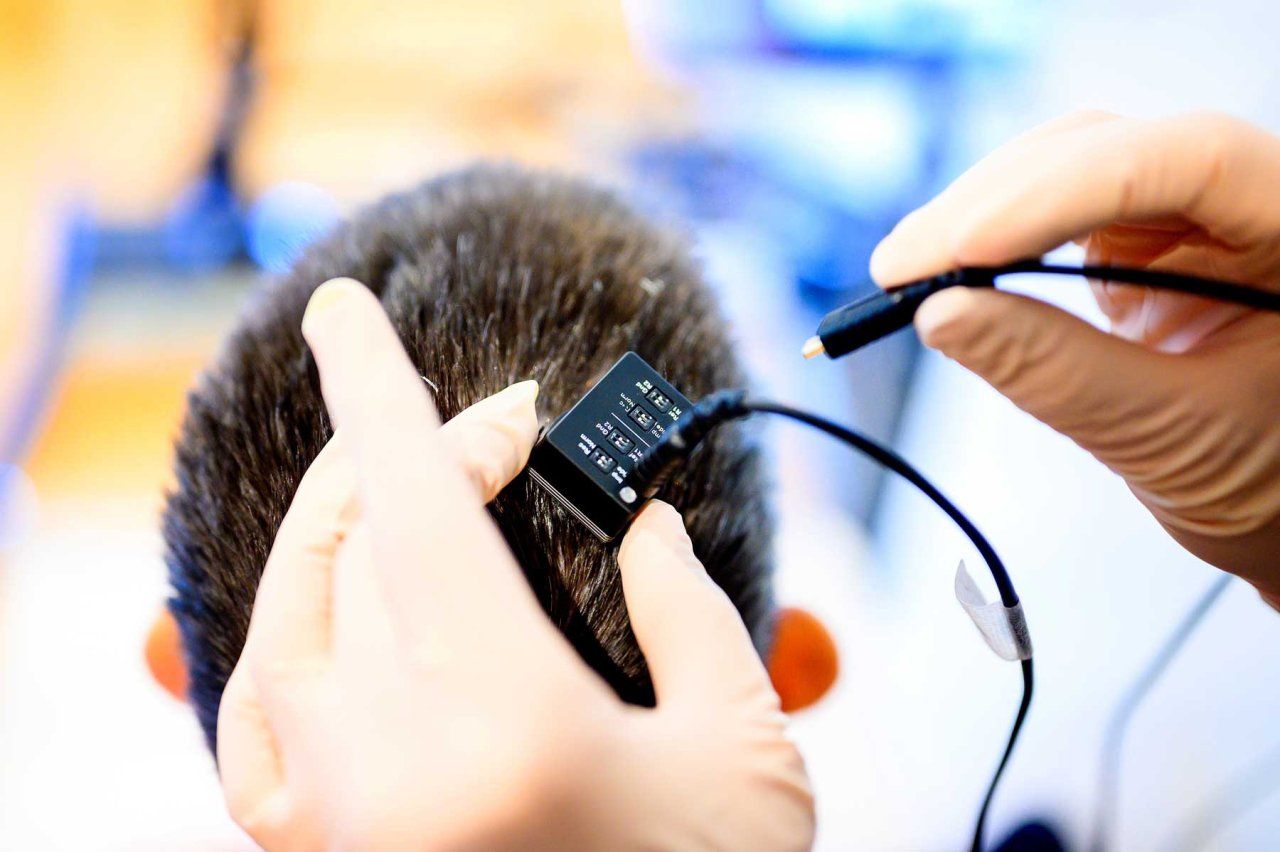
[584, 457]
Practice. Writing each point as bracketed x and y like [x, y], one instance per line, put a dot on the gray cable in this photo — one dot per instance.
[1113, 743]
[1235, 798]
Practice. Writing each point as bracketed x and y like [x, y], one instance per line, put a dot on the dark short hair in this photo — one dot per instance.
[490, 276]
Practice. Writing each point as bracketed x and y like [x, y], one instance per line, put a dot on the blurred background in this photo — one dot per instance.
[159, 158]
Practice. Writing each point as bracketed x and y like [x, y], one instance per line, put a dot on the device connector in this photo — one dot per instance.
[661, 460]
[880, 314]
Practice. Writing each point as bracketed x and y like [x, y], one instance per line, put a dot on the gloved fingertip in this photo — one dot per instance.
[492, 439]
[661, 519]
[328, 302]
[515, 405]
[519, 398]
[886, 265]
[521, 403]
[658, 526]
[909, 252]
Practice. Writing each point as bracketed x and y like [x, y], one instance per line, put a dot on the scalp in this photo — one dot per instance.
[490, 276]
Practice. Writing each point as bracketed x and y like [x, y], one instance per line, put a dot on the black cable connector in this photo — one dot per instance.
[667, 456]
[880, 314]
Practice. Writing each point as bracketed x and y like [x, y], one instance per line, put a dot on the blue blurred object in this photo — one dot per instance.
[203, 230]
[285, 220]
[200, 231]
[914, 28]
[822, 122]
[69, 291]
[71, 284]
[838, 115]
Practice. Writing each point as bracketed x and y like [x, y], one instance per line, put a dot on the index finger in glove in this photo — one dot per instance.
[492, 438]
[445, 571]
[693, 639]
[1211, 170]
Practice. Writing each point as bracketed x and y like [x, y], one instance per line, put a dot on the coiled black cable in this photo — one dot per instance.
[662, 460]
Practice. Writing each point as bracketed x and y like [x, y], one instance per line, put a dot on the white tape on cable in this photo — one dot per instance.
[1004, 628]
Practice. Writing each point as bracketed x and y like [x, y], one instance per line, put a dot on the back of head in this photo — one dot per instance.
[490, 276]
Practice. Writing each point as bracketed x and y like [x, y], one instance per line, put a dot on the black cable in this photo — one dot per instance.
[1024, 706]
[1194, 285]
[1118, 726]
[896, 463]
[872, 317]
[1008, 595]
[661, 461]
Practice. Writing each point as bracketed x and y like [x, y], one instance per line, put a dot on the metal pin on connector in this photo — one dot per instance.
[879, 314]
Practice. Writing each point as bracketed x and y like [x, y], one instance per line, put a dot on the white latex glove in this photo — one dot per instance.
[1182, 399]
[401, 688]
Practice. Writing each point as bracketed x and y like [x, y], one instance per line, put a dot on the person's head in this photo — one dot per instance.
[490, 276]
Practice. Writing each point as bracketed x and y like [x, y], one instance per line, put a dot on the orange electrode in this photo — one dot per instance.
[804, 662]
[164, 655]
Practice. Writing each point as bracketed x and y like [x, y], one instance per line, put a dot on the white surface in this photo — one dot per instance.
[95, 755]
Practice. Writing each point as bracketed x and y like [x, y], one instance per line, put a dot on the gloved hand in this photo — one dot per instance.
[401, 688]
[1183, 398]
